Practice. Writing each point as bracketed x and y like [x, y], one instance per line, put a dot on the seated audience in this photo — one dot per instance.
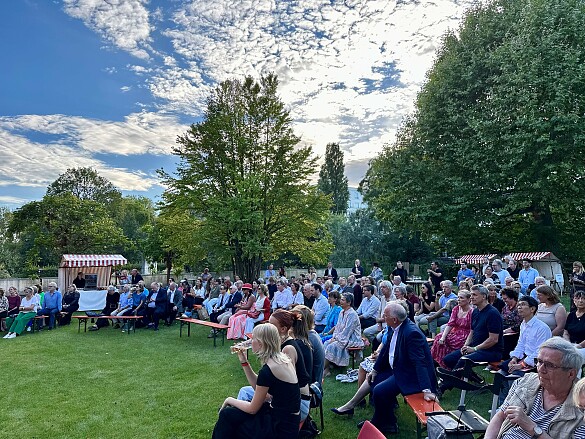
[261, 311]
[493, 298]
[320, 308]
[213, 295]
[277, 378]
[297, 294]
[332, 315]
[444, 304]
[577, 280]
[317, 350]
[4, 305]
[282, 297]
[13, 301]
[456, 331]
[173, 303]
[223, 300]
[427, 304]
[347, 334]
[540, 405]
[551, 311]
[237, 321]
[112, 300]
[27, 311]
[156, 306]
[70, 305]
[489, 275]
[374, 332]
[188, 299]
[198, 292]
[124, 305]
[485, 341]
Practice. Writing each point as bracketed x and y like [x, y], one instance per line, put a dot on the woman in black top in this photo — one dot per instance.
[399, 271]
[575, 325]
[290, 323]
[258, 419]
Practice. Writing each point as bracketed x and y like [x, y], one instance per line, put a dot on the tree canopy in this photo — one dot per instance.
[85, 184]
[332, 180]
[243, 177]
[491, 159]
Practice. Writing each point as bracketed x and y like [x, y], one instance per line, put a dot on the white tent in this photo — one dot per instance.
[94, 267]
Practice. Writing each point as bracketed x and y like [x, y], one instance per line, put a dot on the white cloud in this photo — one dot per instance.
[7, 199]
[123, 23]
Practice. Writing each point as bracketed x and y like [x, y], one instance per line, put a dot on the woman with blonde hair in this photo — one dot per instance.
[257, 418]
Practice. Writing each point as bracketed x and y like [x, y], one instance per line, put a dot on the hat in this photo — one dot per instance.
[247, 286]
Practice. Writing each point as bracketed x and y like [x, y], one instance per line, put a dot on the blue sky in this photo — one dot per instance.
[110, 84]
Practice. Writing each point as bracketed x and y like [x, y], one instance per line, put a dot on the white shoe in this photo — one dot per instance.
[352, 373]
[28, 329]
[13, 335]
[350, 379]
[7, 335]
[341, 376]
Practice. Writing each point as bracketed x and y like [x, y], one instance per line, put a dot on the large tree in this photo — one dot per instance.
[244, 178]
[332, 180]
[85, 184]
[492, 158]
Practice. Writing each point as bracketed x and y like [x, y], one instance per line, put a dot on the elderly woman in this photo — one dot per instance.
[347, 334]
[551, 311]
[332, 315]
[277, 378]
[457, 329]
[489, 274]
[493, 298]
[70, 305]
[28, 310]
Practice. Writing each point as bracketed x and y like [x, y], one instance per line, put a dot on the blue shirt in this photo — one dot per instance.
[443, 302]
[137, 298]
[124, 301]
[53, 301]
[527, 277]
[369, 307]
[464, 274]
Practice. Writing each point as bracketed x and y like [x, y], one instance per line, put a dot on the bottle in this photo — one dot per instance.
[241, 346]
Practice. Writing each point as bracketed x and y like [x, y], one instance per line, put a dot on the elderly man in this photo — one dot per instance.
[485, 342]
[309, 299]
[374, 331]
[283, 297]
[52, 304]
[369, 308]
[541, 405]
[538, 281]
[377, 272]
[497, 267]
[404, 366]
[136, 277]
[156, 305]
[357, 269]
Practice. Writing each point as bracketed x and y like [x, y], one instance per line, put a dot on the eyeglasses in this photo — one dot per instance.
[548, 365]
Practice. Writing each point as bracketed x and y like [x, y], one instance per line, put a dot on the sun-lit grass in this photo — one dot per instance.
[105, 384]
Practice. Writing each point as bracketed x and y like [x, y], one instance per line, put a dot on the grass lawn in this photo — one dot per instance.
[61, 384]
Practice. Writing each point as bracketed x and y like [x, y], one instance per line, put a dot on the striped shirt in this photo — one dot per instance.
[539, 415]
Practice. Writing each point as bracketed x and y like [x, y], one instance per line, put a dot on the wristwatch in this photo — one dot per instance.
[537, 432]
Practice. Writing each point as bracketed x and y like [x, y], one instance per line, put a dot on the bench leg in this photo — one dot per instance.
[78, 326]
[214, 338]
[418, 429]
[181, 328]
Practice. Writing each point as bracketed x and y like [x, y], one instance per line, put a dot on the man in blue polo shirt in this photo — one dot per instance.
[52, 303]
[464, 273]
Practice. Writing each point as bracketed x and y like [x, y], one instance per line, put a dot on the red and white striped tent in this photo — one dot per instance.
[547, 264]
[100, 265]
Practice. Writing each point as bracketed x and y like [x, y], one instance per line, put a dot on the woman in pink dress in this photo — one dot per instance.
[237, 321]
[456, 331]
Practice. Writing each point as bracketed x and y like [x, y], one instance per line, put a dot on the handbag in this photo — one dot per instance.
[443, 426]
[203, 314]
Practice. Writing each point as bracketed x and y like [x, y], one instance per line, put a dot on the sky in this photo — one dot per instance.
[110, 84]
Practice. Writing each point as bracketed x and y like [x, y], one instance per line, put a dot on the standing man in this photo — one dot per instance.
[52, 304]
[320, 308]
[527, 275]
[79, 281]
[435, 276]
[269, 273]
[357, 269]
[464, 273]
[369, 308]
[404, 366]
[331, 272]
[377, 273]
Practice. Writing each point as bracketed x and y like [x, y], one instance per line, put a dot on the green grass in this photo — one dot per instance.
[105, 384]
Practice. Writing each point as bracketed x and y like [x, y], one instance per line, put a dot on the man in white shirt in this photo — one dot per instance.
[320, 308]
[375, 331]
[533, 332]
[369, 308]
[283, 297]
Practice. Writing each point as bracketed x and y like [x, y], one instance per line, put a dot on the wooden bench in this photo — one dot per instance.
[421, 407]
[216, 326]
[357, 351]
[84, 319]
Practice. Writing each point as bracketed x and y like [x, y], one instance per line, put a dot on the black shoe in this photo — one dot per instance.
[476, 378]
[457, 373]
[344, 412]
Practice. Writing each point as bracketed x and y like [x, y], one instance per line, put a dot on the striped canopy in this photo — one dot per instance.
[533, 256]
[92, 260]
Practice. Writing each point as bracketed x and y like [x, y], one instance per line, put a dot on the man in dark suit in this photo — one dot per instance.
[156, 305]
[405, 366]
[331, 273]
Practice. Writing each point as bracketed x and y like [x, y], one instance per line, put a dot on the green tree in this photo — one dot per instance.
[491, 159]
[85, 184]
[332, 180]
[135, 216]
[243, 178]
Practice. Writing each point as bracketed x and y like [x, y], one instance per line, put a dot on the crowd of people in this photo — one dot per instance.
[492, 313]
